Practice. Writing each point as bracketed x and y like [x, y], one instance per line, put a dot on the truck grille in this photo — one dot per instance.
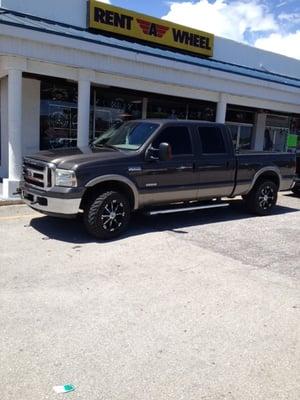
[37, 173]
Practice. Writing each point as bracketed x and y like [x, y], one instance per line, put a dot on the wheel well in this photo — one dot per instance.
[106, 186]
[269, 176]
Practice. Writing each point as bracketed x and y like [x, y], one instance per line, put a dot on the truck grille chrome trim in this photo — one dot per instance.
[38, 174]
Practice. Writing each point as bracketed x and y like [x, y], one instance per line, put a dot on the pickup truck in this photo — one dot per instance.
[146, 164]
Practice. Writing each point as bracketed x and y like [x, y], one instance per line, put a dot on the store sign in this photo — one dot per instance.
[119, 21]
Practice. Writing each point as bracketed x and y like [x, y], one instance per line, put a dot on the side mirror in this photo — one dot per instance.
[165, 152]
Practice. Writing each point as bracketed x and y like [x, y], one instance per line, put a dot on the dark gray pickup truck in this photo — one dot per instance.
[152, 163]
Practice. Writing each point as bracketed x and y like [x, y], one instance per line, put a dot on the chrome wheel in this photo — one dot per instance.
[113, 216]
[266, 197]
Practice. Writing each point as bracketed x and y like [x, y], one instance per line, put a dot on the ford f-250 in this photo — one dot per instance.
[149, 163]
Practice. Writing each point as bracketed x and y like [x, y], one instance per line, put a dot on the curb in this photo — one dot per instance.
[11, 202]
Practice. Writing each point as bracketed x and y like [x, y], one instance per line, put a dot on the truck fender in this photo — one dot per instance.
[117, 178]
[265, 170]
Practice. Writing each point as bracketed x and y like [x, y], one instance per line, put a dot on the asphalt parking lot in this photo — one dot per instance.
[198, 306]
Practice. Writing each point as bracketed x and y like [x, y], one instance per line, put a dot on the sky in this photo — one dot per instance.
[267, 24]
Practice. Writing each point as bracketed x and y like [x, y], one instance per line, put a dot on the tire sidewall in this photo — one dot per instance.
[94, 210]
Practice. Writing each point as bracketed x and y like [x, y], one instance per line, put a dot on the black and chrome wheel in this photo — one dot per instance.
[266, 197]
[107, 215]
[262, 198]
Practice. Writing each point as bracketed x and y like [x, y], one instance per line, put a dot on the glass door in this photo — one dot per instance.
[275, 138]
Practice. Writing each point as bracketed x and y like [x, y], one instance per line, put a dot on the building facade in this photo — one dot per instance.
[63, 83]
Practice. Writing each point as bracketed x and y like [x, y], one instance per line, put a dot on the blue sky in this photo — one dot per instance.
[155, 8]
[268, 24]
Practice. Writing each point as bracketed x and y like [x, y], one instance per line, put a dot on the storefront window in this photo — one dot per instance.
[58, 115]
[241, 135]
[168, 108]
[275, 138]
[201, 111]
[241, 124]
[112, 106]
[240, 116]
[234, 130]
[295, 129]
[276, 133]
[245, 137]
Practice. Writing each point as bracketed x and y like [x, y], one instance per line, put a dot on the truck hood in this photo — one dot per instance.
[74, 158]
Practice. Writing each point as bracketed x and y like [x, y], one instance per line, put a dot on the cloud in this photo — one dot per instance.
[287, 44]
[284, 3]
[249, 22]
[232, 21]
[293, 18]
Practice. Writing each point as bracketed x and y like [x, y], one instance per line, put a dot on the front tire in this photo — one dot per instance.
[262, 198]
[107, 215]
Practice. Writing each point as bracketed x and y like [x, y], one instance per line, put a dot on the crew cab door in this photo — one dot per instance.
[215, 165]
[175, 179]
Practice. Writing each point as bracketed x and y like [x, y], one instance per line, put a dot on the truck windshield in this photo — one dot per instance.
[128, 136]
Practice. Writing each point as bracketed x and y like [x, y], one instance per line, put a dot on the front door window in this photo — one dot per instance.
[178, 137]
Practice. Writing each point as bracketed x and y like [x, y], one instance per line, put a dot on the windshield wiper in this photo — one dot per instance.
[109, 146]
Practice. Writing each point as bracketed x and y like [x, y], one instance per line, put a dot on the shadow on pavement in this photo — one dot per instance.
[296, 196]
[73, 231]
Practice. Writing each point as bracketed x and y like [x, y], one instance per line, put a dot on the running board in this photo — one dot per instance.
[177, 210]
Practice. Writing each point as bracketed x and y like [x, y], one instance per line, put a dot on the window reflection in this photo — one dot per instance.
[58, 123]
[234, 130]
[241, 135]
[245, 137]
[167, 108]
[112, 107]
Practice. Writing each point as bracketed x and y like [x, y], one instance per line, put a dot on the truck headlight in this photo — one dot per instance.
[66, 178]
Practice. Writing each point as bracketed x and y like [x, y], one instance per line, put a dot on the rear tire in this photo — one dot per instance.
[107, 215]
[262, 198]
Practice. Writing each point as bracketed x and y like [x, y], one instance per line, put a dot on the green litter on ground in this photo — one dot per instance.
[64, 388]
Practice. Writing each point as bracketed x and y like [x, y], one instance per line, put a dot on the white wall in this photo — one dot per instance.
[31, 116]
[73, 12]
[30, 121]
[241, 54]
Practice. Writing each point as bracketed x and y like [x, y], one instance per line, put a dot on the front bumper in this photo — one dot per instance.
[51, 203]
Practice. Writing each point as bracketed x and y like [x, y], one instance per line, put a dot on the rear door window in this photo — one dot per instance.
[212, 140]
[178, 137]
